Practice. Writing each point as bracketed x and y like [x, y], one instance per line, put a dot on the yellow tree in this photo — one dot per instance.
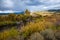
[27, 12]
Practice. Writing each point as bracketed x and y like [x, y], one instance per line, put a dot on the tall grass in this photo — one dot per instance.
[9, 34]
[32, 30]
[35, 27]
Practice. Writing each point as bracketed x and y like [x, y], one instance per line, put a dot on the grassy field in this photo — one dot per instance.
[37, 28]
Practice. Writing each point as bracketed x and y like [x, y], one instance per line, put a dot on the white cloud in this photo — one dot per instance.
[8, 3]
[43, 7]
[50, 1]
[8, 11]
[35, 8]
[46, 5]
[22, 4]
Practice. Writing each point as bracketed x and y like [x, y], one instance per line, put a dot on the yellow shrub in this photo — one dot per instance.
[8, 33]
[35, 27]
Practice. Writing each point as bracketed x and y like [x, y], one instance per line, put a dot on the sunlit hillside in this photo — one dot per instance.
[43, 13]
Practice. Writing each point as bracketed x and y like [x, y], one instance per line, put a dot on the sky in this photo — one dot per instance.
[32, 5]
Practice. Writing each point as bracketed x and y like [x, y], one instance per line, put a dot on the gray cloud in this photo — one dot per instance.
[32, 5]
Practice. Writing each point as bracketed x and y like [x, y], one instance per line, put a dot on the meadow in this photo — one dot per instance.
[30, 27]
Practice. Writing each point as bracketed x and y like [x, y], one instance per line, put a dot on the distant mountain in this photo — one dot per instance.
[12, 13]
[19, 12]
[54, 10]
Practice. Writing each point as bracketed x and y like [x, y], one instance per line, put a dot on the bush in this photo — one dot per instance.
[36, 36]
[31, 28]
[34, 27]
[57, 35]
[48, 34]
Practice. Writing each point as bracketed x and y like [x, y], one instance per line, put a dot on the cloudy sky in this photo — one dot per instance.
[32, 5]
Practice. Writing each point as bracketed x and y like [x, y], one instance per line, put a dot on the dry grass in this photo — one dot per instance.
[11, 33]
[32, 27]
[35, 27]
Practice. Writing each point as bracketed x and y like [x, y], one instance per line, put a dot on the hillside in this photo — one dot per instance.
[30, 27]
[43, 13]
